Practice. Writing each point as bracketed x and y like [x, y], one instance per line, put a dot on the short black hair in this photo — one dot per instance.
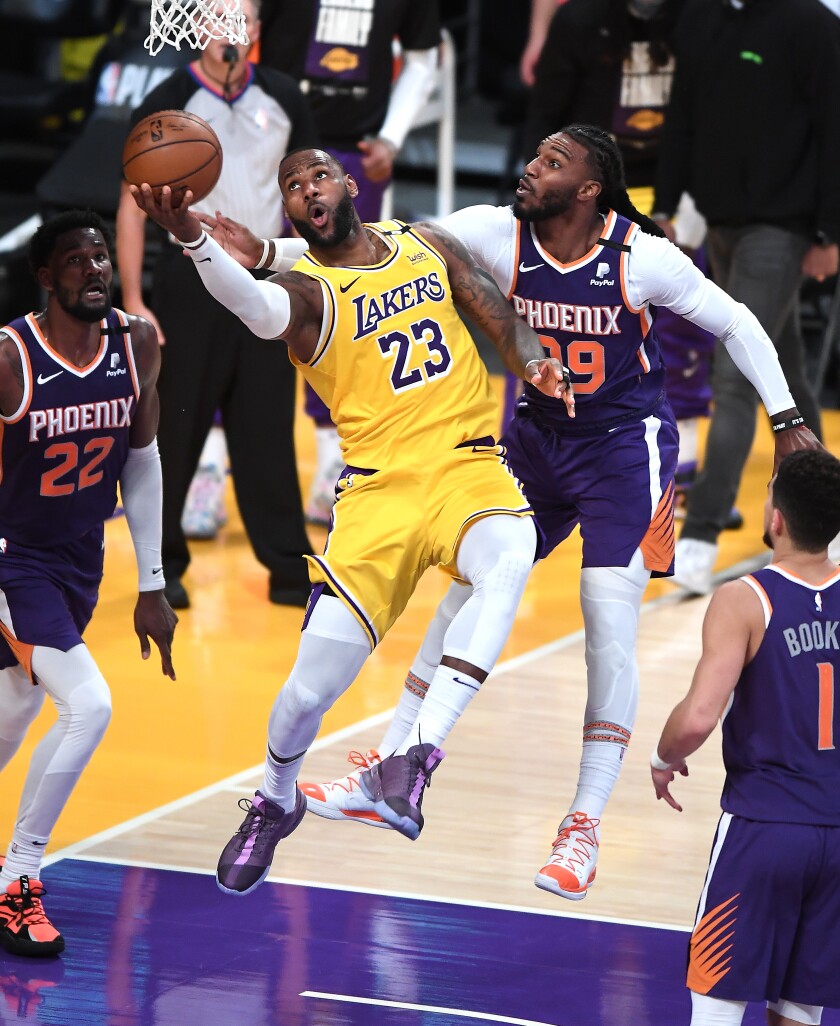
[42, 243]
[806, 492]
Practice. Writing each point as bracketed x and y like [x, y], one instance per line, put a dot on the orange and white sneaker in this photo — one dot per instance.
[344, 799]
[570, 870]
[24, 926]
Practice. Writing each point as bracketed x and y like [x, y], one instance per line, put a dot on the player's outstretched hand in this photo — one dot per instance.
[662, 779]
[245, 247]
[792, 440]
[154, 618]
[552, 378]
[170, 212]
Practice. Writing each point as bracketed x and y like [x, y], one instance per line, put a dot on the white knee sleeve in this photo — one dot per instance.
[707, 1011]
[809, 1015]
[81, 696]
[20, 703]
[610, 598]
[82, 699]
[333, 648]
[495, 555]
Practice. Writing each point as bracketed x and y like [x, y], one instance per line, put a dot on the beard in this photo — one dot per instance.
[85, 310]
[555, 202]
[768, 541]
[343, 218]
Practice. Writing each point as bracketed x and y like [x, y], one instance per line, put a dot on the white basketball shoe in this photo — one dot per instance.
[344, 799]
[570, 870]
[694, 561]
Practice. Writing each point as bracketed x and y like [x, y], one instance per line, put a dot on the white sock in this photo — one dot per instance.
[600, 764]
[280, 780]
[450, 692]
[23, 858]
[423, 668]
[405, 715]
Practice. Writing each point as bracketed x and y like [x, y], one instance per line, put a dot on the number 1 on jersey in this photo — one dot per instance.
[825, 733]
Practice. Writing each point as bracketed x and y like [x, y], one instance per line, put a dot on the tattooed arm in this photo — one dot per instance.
[11, 376]
[478, 296]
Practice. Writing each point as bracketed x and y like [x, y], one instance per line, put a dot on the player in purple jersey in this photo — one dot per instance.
[587, 271]
[78, 415]
[768, 921]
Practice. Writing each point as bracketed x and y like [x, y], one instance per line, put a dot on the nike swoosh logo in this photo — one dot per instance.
[205, 260]
[525, 269]
[42, 380]
[466, 683]
[344, 288]
[157, 569]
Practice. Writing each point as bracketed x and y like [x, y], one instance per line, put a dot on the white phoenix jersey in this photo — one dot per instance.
[656, 273]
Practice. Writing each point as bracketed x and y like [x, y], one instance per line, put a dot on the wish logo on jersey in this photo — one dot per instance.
[371, 311]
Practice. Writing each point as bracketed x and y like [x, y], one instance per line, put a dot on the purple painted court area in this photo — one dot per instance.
[149, 947]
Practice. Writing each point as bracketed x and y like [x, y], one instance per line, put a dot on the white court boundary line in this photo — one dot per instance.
[75, 851]
[495, 906]
[440, 1010]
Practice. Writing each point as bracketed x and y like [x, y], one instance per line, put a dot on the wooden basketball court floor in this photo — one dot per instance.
[361, 926]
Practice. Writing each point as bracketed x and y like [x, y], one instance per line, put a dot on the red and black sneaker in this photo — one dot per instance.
[24, 926]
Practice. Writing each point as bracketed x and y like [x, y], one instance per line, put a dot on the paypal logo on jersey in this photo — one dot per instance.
[372, 310]
[115, 367]
[600, 279]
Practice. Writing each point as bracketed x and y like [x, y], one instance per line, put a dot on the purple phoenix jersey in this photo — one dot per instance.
[782, 726]
[62, 451]
[609, 346]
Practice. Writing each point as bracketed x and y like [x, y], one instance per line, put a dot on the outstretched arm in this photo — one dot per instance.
[479, 297]
[288, 307]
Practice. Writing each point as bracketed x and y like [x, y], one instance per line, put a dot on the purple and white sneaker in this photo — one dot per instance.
[246, 858]
[396, 786]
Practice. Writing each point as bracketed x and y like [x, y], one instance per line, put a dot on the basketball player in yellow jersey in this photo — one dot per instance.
[370, 317]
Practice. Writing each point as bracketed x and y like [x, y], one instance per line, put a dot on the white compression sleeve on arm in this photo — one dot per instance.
[141, 487]
[753, 354]
[410, 92]
[262, 306]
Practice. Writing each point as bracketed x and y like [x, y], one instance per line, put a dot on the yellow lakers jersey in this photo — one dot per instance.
[394, 362]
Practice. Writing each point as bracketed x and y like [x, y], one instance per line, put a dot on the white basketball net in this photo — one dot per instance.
[195, 22]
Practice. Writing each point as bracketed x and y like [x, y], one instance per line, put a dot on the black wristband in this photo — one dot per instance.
[786, 425]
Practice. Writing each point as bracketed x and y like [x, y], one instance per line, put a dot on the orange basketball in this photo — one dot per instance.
[174, 148]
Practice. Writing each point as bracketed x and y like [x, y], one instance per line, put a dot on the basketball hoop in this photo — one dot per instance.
[195, 22]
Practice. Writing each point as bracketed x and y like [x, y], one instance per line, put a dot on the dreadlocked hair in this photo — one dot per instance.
[608, 167]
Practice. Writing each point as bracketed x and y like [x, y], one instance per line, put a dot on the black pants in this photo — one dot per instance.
[211, 361]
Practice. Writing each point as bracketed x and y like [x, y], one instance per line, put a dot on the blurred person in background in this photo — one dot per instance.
[210, 361]
[341, 53]
[757, 145]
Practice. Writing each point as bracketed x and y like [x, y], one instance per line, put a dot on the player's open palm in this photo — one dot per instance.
[237, 240]
[154, 618]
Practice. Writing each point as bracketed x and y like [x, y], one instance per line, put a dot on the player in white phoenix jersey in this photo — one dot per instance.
[572, 257]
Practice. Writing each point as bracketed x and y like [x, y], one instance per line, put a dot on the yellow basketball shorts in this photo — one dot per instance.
[389, 526]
